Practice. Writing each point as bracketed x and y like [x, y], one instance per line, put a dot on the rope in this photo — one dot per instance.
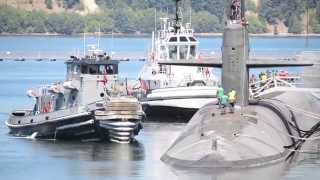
[313, 115]
[291, 136]
[306, 152]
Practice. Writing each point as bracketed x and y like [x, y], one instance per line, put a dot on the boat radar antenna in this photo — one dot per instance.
[178, 18]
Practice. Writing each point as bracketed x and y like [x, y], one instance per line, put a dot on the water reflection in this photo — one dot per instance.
[93, 151]
[304, 163]
[273, 172]
[96, 158]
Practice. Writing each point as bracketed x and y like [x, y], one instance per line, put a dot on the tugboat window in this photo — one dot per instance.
[76, 69]
[110, 69]
[93, 69]
[102, 69]
[69, 68]
[84, 69]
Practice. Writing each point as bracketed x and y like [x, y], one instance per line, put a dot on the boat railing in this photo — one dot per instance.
[256, 88]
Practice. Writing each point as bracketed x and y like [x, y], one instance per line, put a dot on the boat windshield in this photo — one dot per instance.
[99, 69]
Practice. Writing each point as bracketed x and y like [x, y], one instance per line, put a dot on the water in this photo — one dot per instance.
[34, 159]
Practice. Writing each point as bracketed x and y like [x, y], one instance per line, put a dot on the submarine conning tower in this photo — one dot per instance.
[235, 52]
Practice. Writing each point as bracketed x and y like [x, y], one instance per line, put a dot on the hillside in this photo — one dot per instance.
[137, 16]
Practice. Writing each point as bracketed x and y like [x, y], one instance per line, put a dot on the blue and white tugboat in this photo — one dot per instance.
[67, 110]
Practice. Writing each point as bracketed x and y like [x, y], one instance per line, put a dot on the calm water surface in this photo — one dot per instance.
[38, 160]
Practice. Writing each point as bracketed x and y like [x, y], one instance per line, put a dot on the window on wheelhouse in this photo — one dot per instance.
[72, 69]
[192, 39]
[173, 39]
[183, 39]
[192, 52]
[173, 50]
[183, 51]
[108, 69]
[99, 69]
[163, 52]
[93, 69]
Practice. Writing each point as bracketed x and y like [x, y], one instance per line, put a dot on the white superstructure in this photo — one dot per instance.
[171, 44]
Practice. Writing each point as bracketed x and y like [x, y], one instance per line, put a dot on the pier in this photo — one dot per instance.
[142, 56]
[65, 55]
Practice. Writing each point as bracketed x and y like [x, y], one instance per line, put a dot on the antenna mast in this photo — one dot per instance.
[307, 28]
[84, 43]
[99, 37]
[177, 25]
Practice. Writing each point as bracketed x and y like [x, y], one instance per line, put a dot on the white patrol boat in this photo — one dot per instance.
[175, 89]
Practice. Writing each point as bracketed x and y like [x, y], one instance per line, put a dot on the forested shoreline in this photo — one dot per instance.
[137, 17]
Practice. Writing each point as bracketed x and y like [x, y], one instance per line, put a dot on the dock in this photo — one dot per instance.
[65, 55]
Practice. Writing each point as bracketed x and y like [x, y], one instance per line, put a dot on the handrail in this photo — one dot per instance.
[258, 87]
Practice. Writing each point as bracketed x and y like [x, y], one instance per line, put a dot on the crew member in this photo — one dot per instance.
[232, 96]
[224, 103]
[264, 79]
[219, 94]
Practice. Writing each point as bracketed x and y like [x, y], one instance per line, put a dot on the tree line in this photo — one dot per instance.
[137, 16]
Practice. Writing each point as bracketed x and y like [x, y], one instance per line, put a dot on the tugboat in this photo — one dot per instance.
[67, 110]
[174, 89]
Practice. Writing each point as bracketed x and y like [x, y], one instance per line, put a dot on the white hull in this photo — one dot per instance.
[182, 97]
[189, 103]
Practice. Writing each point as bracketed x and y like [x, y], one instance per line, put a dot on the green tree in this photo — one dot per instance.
[48, 3]
[206, 22]
[70, 3]
[294, 25]
[256, 25]
[250, 6]
[318, 11]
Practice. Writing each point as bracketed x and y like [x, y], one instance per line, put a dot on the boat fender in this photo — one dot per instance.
[154, 72]
[207, 72]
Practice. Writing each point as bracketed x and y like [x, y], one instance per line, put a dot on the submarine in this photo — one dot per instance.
[269, 129]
